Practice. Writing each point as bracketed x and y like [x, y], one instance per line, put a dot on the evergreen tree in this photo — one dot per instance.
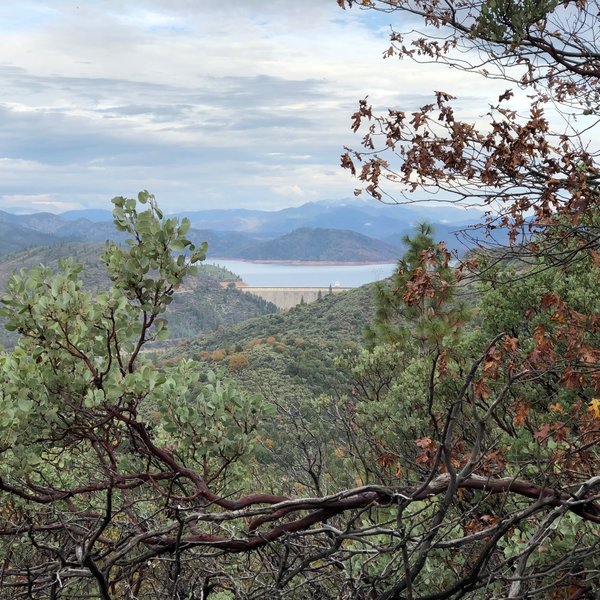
[419, 300]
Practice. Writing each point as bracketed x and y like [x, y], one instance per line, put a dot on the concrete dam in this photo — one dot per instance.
[287, 297]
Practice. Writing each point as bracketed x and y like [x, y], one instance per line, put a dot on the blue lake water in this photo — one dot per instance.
[278, 275]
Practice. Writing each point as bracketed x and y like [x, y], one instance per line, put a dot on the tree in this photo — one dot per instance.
[464, 461]
[522, 164]
[102, 454]
[519, 408]
[426, 283]
[542, 184]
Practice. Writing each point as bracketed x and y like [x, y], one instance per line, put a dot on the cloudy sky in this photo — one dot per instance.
[242, 103]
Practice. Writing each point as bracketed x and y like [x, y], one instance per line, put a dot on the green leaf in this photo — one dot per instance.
[178, 245]
[185, 226]
[25, 404]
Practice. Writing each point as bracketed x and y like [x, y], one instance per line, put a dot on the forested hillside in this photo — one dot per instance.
[288, 355]
[322, 245]
[13, 237]
[202, 305]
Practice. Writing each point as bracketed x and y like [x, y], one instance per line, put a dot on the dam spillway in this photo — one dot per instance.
[287, 297]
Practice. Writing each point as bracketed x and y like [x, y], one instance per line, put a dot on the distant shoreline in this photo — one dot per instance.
[306, 263]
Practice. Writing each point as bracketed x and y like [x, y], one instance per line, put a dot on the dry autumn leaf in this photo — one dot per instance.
[594, 407]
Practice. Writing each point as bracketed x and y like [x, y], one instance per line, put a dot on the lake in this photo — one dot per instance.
[286, 275]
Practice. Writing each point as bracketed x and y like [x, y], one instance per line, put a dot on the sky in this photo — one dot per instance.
[245, 103]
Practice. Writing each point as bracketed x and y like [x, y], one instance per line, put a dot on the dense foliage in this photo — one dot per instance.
[455, 456]
[122, 478]
[202, 305]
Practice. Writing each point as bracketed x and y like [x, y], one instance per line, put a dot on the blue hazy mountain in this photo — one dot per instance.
[96, 215]
[239, 233]
[373, 219]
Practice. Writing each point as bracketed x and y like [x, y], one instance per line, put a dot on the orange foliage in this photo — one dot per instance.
[217, 355]
[238, 361]
[522, 409]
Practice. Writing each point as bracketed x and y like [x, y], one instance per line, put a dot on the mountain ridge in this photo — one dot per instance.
[245, 233]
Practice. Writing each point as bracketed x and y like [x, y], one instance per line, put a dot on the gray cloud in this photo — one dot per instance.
[236, 103]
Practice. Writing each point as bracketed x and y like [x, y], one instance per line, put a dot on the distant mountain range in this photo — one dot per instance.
[373, 219]
[345, 231]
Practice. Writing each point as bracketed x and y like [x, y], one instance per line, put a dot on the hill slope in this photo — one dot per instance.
[14, 237]
[202, 306]
[322, 245]
[286, 356]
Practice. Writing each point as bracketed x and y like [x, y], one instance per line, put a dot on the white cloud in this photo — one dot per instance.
[295, 191]
[244, 102]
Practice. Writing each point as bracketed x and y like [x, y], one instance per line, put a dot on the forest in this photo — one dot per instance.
[431, 436]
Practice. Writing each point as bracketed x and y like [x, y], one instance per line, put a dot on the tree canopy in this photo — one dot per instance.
[461, 464]
[462, 459]
[518, 164]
